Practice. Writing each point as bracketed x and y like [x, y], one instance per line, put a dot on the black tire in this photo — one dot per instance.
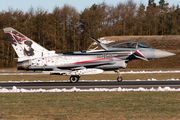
[119, 79]
[74, 79]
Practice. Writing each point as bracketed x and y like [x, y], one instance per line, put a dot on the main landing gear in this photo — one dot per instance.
[119, 78]
[74, 78]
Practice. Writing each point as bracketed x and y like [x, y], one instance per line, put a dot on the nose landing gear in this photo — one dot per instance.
[119, 78]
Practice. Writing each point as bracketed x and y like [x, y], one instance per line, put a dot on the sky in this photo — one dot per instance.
[80, 5]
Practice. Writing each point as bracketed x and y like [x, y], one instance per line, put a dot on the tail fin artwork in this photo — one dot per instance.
[25, 48]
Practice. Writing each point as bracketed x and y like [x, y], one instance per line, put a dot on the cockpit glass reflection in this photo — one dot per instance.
[134, 45]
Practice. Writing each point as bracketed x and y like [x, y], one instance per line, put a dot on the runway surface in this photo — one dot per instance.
[91, 84]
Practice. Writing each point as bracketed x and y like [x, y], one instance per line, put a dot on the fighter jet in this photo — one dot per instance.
[32, 56]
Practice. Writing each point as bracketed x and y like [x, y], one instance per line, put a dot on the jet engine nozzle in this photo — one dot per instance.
[23, 65]
[162, 54]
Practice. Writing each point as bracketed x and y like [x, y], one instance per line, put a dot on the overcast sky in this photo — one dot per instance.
[80, 5]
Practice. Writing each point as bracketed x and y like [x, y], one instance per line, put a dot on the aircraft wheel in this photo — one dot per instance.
[119, 79]
[74, 79]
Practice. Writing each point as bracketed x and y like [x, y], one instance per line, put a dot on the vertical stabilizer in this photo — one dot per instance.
[25, 48]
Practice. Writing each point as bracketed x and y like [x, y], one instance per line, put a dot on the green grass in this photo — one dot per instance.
[99, 105]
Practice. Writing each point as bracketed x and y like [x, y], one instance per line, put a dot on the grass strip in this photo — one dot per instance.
[99, 105]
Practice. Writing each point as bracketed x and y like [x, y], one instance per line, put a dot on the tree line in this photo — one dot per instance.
[67, 30]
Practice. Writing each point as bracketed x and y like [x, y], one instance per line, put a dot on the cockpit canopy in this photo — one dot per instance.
[134, 45]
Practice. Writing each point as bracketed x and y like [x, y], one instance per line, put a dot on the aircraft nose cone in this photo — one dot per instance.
[162, 54]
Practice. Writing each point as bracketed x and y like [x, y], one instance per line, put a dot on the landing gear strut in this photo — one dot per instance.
[74, 78]
[119, 78]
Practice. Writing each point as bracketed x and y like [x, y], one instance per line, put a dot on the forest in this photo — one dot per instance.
[67, 30]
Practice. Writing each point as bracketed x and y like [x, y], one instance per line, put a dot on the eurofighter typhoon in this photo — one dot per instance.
[32, 56]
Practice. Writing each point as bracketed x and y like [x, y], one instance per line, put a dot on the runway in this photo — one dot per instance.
[91, 84]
